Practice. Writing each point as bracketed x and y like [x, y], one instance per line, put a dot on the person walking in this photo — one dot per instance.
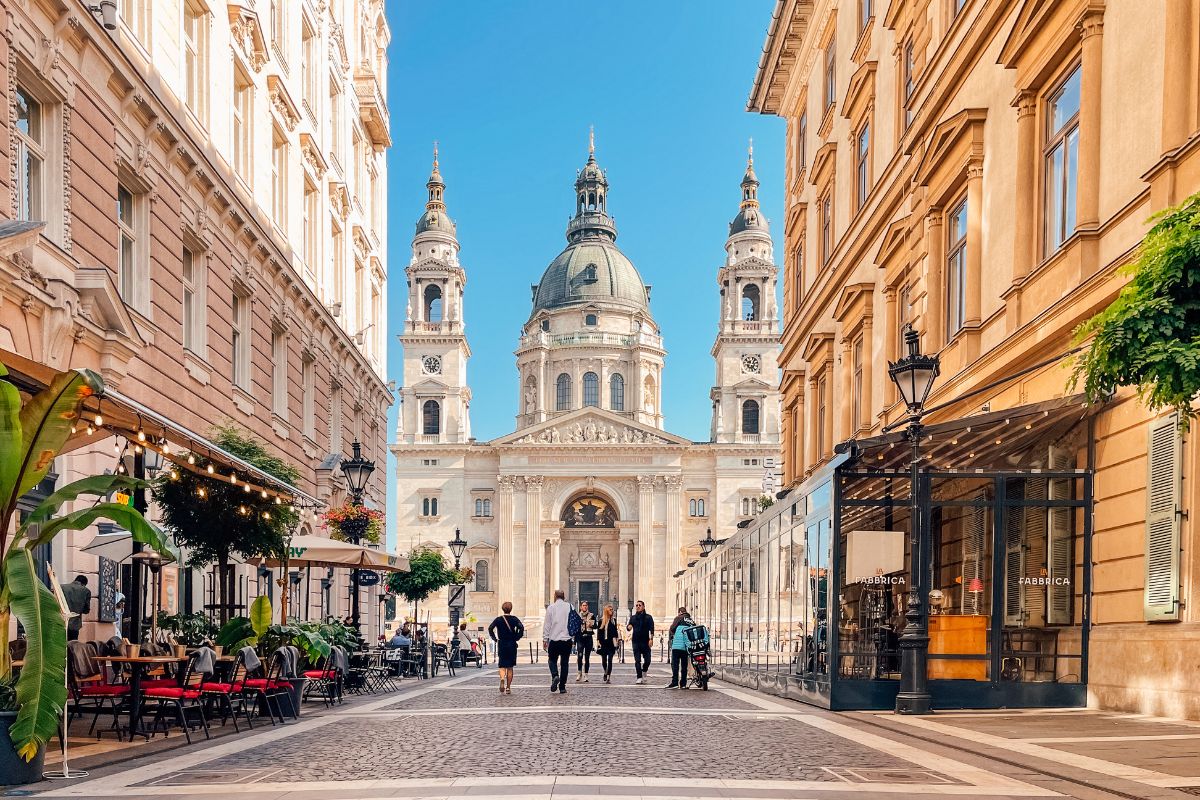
[584, 642]
[79, 602]
[557, 635]
[608, 635]
[465, 640]
[641, 633]
[677, 636]
[506, 630]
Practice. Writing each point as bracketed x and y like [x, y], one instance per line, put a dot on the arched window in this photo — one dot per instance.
[562, 394]
[750, 298]
[487, 508]
[481, 576]
[591, 389]
[478, 508]
[750, 416]
[431, 418]
[692, 508]
[616, 385]
[745, 506]
[546, 325]
[433, 303]
[429, 507]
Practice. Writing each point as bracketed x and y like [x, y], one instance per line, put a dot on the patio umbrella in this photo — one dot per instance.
[318, 551]
[119, 547]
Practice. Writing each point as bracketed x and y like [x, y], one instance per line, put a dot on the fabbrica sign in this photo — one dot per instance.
[874, 557]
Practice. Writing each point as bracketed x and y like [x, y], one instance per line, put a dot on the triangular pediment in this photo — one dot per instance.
[753, 385]
[591, 427]
[430, 386]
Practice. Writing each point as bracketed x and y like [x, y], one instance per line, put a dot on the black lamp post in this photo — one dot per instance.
[914, 375]
[707, 545]
[357, 471]
[457, 546]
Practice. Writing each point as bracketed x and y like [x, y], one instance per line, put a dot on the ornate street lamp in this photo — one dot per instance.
[457, 546]
[914, 375]
[707, 545]
[357, 471]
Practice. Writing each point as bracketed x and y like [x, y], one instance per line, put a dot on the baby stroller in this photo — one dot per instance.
[697, 647]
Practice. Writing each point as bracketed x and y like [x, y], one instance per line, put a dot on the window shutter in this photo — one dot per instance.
[1163, 498]
[1014, 563]
[974, 544]
[1061, 556]
[1035, 564]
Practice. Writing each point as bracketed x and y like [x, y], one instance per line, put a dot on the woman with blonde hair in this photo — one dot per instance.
[608, 637]
[505, 631]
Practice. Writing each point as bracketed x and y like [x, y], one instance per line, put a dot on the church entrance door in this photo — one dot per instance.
[590, 591]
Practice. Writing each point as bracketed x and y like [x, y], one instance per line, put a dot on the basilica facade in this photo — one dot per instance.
[590, 492]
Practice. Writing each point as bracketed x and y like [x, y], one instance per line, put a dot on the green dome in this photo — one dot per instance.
[590, 270]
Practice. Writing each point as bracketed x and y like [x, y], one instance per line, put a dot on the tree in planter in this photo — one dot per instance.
[1149, 337]
[428, 571]
[31, 436]
[217, 519]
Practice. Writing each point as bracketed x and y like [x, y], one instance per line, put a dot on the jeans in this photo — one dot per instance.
[679, 667]
[560, 662]
[606, 661]
[641, 657]
[583, 653]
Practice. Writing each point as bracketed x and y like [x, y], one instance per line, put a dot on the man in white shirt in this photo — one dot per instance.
[556, 640]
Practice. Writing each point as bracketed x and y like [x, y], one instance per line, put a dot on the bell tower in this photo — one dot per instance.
[746, 395]
[435, 399]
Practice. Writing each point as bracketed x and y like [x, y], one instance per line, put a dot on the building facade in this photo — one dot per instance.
[981, 171]
[209, 179]
[590, 493]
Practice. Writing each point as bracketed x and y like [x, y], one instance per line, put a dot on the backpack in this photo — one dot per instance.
[574, 623]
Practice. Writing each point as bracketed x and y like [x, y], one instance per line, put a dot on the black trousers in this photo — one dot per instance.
[641, 658]
[583, 653]
[606, 661]
[560, 662]
[679, 667]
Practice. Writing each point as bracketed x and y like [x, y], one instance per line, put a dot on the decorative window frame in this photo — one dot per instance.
[486, 495]
[433, 496]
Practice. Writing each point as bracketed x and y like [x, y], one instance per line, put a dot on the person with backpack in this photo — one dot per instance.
[559, 629]
[679, 649]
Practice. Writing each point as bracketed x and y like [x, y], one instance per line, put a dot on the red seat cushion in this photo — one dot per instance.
[104, 690]
[263, 683]
[160, 682]
[319, 674]
[222, 688]
[173, 693]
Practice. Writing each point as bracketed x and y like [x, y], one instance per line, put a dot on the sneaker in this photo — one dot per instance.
[640, 681]
[562, 689]
[684, 686]
[585, 680]
[671, 686]
[578, 678]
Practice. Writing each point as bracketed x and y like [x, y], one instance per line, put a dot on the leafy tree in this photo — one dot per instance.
[428, 571]
[217, 519]
[1149, 337]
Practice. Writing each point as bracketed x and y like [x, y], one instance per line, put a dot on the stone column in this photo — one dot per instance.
[1091, 28]
[935, 300]
[671, 565]
[1178, 113]
[1025, 236]
[810, 429]
[972, 304]
[623, 577]
[891, 336]
[504, 567]
[644, 555]
[535, 551]
[868, 337]
[555, 564]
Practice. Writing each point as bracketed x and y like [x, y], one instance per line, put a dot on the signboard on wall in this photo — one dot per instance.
[873, 557]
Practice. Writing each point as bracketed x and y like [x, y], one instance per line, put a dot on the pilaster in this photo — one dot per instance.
[535, 553]
[504, 503]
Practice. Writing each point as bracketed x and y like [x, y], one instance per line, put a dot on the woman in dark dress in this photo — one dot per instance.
[608, 636]
[505, 630]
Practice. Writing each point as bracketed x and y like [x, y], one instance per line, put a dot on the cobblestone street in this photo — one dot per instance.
[458, 737]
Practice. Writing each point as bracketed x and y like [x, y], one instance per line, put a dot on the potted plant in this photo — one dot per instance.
[32, 432]
[354, 523]
[188, 630]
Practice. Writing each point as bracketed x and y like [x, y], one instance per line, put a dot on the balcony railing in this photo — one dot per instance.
[543, 339]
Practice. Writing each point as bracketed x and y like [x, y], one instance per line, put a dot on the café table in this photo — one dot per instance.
[136, 666]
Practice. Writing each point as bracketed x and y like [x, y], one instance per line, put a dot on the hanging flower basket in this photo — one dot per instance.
[352, 523]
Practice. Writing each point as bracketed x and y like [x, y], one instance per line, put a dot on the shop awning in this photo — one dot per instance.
[124, 416]
[991, 440]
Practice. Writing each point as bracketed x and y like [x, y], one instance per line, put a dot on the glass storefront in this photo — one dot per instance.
[809, 600]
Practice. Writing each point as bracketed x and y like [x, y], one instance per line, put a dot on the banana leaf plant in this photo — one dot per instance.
[31, 436]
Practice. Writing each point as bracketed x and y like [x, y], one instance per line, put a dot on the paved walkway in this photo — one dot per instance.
[460, 738]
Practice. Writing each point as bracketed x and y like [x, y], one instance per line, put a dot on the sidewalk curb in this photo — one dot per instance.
[1034, 764]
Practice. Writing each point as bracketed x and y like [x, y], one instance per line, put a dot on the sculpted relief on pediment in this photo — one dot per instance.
[591, 433]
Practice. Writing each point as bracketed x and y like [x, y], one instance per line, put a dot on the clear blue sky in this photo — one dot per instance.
[509, 90]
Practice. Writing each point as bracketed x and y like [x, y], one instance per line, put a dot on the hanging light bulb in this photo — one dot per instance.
[242, 509]
[277, 500]
[246, 488]
[116, 446]
[99, 420]
[137, 448]
[166, 447]
[90, 429]
[266, 515]
[74, 427]
[264, 494]
[210, 469]
[121, 468]
[233, 478]
[174, 474]
[201, 491]
[191, 459]
[141, 434]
